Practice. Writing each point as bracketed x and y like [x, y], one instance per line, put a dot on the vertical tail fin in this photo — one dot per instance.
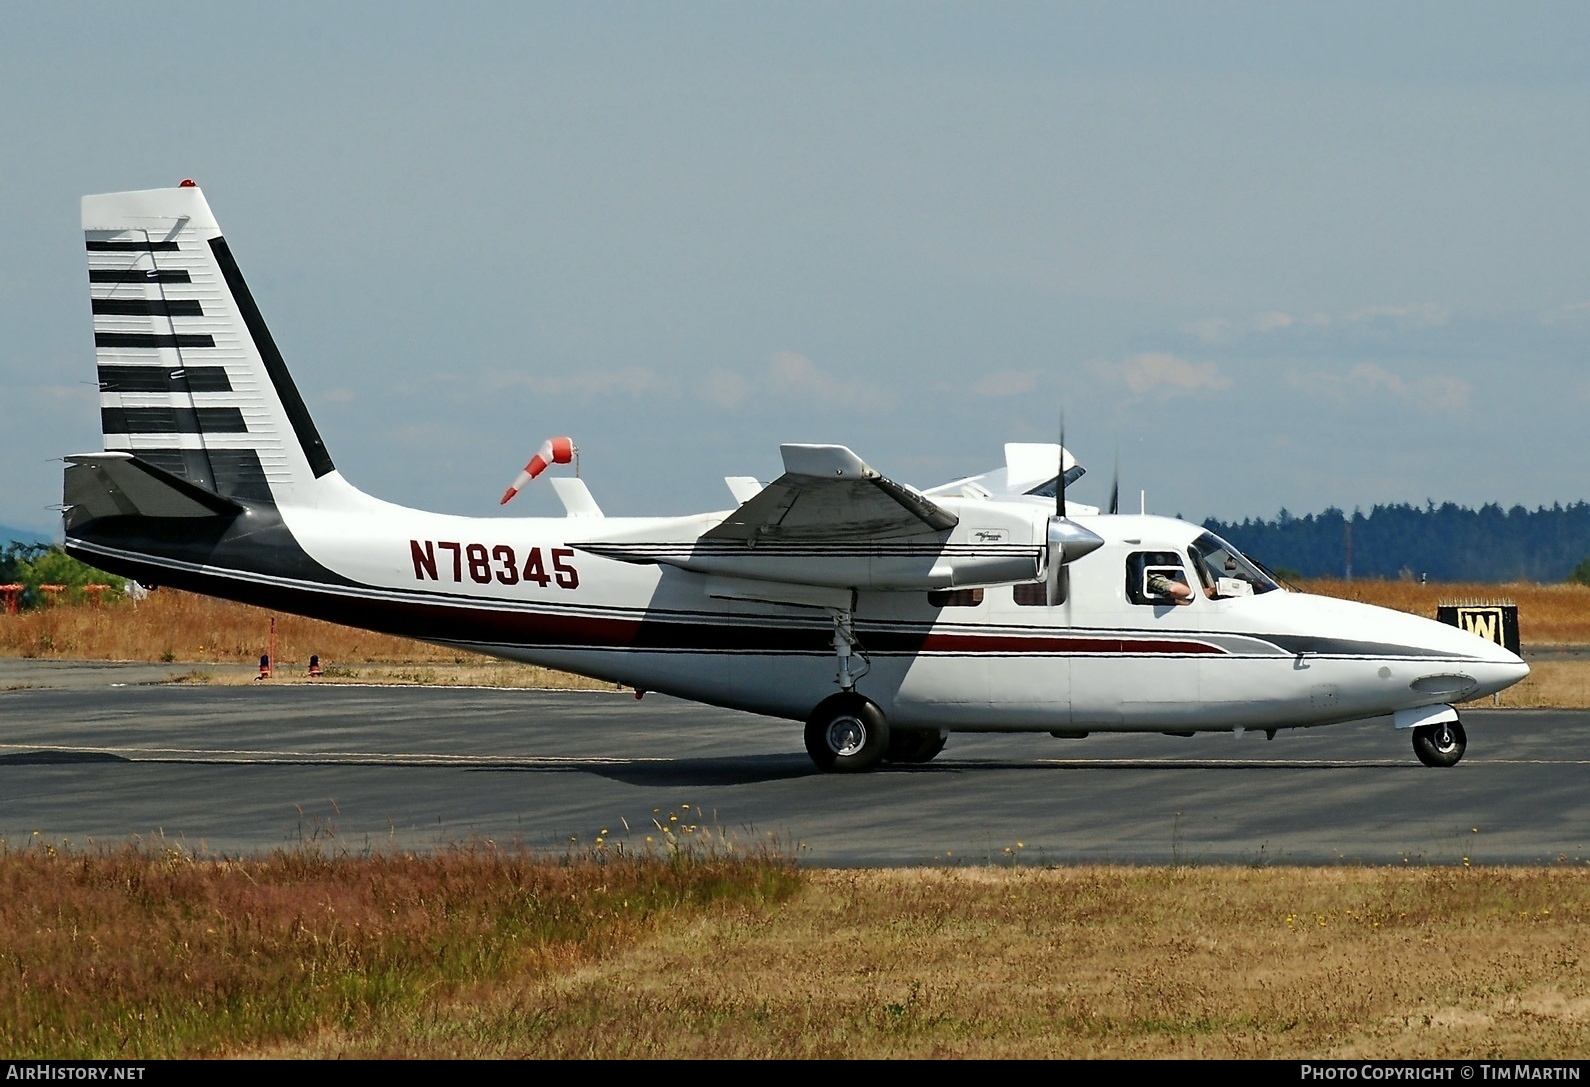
[190, 379]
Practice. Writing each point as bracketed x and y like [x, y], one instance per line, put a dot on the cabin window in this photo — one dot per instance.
[955, 598]
[1144, 568]
[1035, 594]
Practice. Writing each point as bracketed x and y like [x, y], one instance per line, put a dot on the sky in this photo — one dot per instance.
[1265, 255]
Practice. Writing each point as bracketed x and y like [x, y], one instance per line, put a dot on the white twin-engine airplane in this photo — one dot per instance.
[882, 616]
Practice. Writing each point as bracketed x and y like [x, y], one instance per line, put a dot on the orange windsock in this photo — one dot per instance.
[552, 451]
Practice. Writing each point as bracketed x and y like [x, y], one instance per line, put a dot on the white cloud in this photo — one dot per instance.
[1212, 330]
[1427, 315]
[1268, 322]
[1574, 311]
[631, 381]
[1367, 381]
[1222, 330]
[726, 389]
[1007, 383]
[1169, 375]
[791, 374]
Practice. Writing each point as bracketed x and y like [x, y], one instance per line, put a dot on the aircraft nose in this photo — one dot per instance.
[1491, 666]
[1498, 668]
[1500, 654]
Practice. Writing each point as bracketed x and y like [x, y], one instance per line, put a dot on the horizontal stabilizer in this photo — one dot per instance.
[119, 484]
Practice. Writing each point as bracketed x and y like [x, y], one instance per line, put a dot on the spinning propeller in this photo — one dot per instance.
[1067, 541]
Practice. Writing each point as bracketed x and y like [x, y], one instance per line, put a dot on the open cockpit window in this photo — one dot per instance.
[1158, 578]
[1225, 571]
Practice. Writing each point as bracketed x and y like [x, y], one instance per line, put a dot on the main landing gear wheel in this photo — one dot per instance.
[914, 745]
[1440, 744]
[847, 734]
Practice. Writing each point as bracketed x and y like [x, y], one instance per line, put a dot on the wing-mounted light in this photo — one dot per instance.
[553, 451]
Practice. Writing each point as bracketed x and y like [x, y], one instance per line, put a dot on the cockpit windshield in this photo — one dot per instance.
[1224, 570]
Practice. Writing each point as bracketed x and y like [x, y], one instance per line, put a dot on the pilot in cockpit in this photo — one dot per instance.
[1224, 572]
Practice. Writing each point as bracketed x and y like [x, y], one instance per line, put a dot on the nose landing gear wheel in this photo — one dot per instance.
[847, 734]
[1441, 744]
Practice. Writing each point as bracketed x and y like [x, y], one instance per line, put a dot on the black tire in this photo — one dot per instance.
[1440, 744]
[847, 734]
[914, 745]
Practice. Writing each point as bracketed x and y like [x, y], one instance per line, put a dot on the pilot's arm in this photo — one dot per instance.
[1178, 591]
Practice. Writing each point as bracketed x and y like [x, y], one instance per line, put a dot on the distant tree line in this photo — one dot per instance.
[1447, 542]
[33, 564]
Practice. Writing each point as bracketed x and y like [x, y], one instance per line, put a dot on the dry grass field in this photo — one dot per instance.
[481, 953]
[1547, 614]
[183, 628]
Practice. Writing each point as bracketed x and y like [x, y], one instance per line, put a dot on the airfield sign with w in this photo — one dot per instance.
[1495, 622]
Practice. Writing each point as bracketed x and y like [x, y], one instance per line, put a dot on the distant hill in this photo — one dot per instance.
[7, 534]
[1447, 542]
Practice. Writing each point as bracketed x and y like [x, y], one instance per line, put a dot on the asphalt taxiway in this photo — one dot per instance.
[92, 753]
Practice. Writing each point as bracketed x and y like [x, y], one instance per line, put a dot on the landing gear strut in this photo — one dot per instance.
[844, 648]
[1440, 744]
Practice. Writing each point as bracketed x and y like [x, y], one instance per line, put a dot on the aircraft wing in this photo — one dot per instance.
[829, 495]
[832, 520]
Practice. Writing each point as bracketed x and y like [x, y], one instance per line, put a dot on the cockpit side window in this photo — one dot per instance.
[1224, 571]
[1157, 578]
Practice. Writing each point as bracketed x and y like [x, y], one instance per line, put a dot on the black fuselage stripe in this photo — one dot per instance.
[153, 339]
[172, 420]
[161, 379]
[151, 307]
[132, 247]
[138, 275]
